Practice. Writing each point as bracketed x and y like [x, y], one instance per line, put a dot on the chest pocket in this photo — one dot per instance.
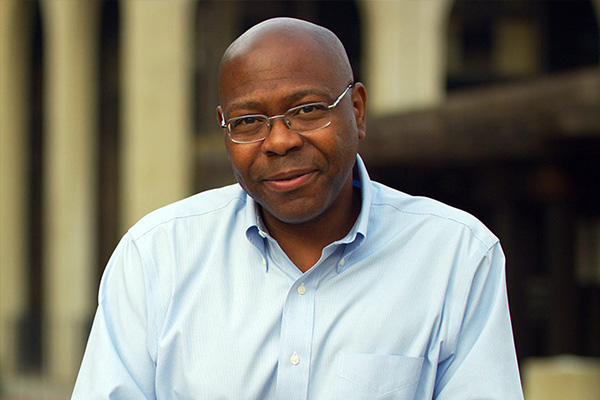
[375, 376]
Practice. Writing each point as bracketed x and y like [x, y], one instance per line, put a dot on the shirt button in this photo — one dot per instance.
[264, 261]
[301, 289]
[294, 359]
[262, 235]
[342, 261]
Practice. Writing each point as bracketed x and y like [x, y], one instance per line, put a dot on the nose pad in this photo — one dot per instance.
[286, 124]
[281, 139]
[271, 123]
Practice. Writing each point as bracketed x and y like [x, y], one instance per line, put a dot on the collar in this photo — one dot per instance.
[362, 181]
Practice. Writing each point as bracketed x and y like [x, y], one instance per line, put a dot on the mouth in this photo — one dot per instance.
[288, 181]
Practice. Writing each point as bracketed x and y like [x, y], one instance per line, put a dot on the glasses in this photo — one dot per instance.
[300, 119]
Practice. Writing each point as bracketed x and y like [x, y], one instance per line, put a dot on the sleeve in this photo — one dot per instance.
[483, 364]
[118, 361]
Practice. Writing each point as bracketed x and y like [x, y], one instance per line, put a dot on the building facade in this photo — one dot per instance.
[107, 111]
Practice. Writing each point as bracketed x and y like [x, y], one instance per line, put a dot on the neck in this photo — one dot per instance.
[303, 243]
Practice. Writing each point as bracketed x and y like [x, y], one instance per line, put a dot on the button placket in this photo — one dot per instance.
[297, 326]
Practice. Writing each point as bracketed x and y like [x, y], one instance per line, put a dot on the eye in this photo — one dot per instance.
[307, 109]
[249, 120]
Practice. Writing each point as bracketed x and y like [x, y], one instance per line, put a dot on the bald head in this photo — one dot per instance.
[290, 33]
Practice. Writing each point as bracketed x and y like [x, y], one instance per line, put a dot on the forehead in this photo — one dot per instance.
[279, 64]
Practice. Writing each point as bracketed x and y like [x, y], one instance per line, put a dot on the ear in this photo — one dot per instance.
[220, 116]
[359, 105]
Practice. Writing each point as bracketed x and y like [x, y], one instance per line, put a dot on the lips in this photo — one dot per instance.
[290, 180]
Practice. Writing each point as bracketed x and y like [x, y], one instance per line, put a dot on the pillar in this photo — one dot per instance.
[15, 44]
[404, 53]
[69, 179]
[158, 47]
[561, 377]
[596, 4]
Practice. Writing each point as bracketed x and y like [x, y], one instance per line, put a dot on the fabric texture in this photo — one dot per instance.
[199, 302]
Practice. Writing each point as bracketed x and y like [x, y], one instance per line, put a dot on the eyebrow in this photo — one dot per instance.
[290, 98]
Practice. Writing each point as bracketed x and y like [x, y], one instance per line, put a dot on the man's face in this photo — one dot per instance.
[296, 178]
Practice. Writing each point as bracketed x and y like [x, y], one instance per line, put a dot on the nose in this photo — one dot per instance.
[281, 139]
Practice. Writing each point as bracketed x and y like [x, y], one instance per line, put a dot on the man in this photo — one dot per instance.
[306, 280]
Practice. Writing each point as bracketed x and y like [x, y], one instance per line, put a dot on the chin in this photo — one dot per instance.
[296, 216]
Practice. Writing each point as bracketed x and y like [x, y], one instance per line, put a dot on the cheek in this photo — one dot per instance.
[242, 178]
[346, 146]
[241, 159]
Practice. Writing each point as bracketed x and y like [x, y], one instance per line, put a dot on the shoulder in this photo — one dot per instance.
[392, 204]
[204, 206]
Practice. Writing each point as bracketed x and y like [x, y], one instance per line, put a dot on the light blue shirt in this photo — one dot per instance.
[199, 302]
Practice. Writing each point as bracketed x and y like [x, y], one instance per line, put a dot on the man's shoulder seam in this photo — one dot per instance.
[139, 230]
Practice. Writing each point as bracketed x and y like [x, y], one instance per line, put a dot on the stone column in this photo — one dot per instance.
[596, 4]
[15, 45]
[69, 180]
[158, 47]
[404, 53]
[561, 377]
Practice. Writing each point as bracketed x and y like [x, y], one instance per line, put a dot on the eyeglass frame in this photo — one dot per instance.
[225, 124]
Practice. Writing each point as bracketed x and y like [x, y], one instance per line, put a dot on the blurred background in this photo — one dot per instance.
[107, 111]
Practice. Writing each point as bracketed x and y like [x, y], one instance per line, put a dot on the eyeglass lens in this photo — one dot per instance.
[301, 119]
